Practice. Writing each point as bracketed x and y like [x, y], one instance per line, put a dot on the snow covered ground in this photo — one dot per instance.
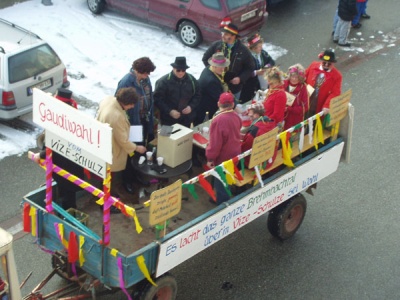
[97, 51]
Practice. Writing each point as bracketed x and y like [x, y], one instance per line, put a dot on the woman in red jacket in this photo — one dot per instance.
[295, 85]
[275, 100]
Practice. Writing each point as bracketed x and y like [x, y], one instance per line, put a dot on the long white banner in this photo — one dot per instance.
[213, 229]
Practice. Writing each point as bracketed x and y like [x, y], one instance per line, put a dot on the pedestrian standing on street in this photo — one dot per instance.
[242, 63]
[224, 141]
[112, 110]
[361, 13]
[262, 61]
[177, 95]
[326, 81]
[347, 10]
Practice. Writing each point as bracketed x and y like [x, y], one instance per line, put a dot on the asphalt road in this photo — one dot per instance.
[347, 246]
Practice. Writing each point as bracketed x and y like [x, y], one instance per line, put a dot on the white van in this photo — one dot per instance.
[26, 61]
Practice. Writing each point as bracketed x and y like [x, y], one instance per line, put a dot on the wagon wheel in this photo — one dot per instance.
[59, 262]
[285, 219]
[166, 289]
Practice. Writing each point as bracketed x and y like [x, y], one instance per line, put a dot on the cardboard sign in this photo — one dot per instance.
[263, 148]
[76, 154]
[338, 107]
[72, 124]
[165, 203]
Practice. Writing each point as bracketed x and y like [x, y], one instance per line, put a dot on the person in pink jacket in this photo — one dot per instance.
[295, 85]
[224, 141]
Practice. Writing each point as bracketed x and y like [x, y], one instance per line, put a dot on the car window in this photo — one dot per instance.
[32, 62]
[214, 4]
[234, 4]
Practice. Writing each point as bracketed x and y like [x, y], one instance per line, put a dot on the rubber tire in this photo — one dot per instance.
[285, 219]
[96, 6]
[190, 34]
[166, 289]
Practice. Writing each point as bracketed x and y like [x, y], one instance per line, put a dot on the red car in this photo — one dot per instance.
[194, 20]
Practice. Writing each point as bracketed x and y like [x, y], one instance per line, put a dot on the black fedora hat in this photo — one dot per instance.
[180, 63]
[328, 56]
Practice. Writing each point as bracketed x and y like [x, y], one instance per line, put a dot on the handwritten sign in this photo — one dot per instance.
[263, 148]
[226, 221]
[338, 107]
[72, 124]
[76, 154]
[165, 203]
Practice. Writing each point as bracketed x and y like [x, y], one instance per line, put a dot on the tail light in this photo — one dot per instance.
[65, 77]
[225, 21]
[8, 99]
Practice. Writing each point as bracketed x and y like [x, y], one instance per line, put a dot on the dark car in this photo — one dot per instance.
[194, 20]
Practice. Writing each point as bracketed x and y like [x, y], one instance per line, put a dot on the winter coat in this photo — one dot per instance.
[174, 93]
[295, 113]
[330, 88]
[210, 90]
[144, 109]
[111, 112]
[252, 84]
[242, 62]
[224, 141]
[347, 9]
[274, 105]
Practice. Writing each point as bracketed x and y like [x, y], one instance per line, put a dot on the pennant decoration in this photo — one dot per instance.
[207, 187]
[81, 257]
[335, 129]
[121, 278]
[301, 139]
[73, 251]
[286, 150]
[229, 170]
[318, 133]
[49, 179]
[191, 190]
[142, 266]
[222, 177]
[310, 130]
[32, 213]
[259, 176]
[26, 217]
[327, 120]
[238, 175]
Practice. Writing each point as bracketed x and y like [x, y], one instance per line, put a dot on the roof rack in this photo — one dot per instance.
[19, 28]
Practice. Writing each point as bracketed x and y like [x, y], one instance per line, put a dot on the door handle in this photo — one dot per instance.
[182, 6]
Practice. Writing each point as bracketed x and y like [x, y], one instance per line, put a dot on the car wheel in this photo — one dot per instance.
[286, 218]
[190, 34]
[96, 6]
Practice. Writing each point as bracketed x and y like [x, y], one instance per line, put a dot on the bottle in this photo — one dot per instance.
[155, 154]
[206, 118]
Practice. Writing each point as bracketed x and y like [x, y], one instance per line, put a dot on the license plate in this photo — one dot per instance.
[248, 15]
[41, 86]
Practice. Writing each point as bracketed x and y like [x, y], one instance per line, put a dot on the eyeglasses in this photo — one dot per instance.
[180, 70]
[328, 64]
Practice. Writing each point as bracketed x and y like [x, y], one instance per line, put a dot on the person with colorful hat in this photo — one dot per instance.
[212, 85]
[296, 86]
[262, 61]
[242, 63]
[259, 126]
[177, 95]
[224, 141]
[326, 81]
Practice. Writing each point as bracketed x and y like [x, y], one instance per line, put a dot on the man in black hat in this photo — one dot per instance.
[177, 95]
[326, 81]
[242, 63]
